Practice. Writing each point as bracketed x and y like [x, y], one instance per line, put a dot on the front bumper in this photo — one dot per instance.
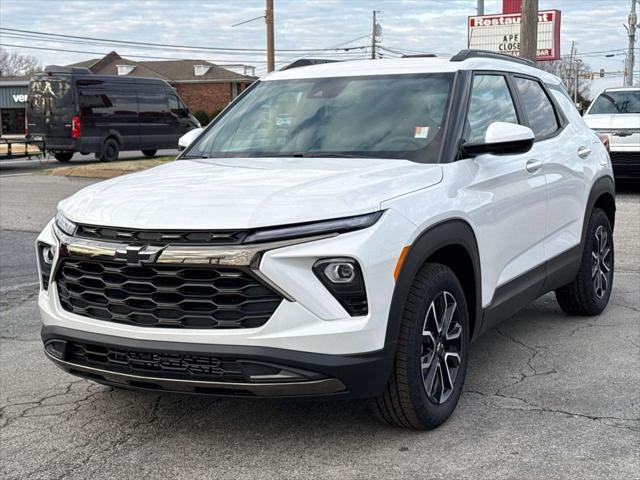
[305, 374]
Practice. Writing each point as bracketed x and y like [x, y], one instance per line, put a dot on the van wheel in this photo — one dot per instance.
[431, 356]
[63, 156]
[588, 294]
[149, 153]
[110, 150]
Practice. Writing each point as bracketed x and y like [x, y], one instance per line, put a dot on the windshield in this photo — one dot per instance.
[617, 102]
[49, 94]
[392, 116]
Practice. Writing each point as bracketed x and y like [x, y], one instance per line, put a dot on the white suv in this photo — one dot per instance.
[615, 114]
[353, 251]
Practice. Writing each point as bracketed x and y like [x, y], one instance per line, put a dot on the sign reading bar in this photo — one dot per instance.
[501, 33]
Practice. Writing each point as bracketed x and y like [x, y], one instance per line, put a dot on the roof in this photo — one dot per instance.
[14, 81]
[620, 89]
[407, 66]
[174, 71]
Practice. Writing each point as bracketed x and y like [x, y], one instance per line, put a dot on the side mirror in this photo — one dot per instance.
[502, 138]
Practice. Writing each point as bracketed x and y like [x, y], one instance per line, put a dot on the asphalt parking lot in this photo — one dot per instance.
[547, 395]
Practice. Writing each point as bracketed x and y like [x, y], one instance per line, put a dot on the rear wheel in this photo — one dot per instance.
[63, 156]
[110, 150]
[589, 292]
[149, 153]
[431, 356]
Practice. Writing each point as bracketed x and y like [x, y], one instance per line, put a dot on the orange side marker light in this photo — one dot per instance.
[400, 262]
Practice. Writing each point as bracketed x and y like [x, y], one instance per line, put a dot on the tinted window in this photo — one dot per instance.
[537, 106]
[391, 116]
[152, 105]
[174, 105]
[49, 94]
[490, 102]
[102, 103]
[617, 102]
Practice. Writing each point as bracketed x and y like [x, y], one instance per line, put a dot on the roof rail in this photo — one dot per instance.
[468, 53]
[305, 62]
[51, 69]
[420, 55]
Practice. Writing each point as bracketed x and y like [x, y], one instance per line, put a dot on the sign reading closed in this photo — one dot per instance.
[501, 34]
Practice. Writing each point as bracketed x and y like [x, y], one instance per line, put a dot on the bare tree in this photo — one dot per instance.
[13, 64]
[565, 69]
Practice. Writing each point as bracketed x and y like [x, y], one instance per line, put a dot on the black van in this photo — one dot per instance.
[73, 110]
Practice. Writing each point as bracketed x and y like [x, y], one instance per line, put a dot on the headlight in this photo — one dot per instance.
[337, 225]
[64, 224]
[343, 278]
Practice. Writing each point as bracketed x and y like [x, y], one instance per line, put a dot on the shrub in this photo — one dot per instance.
[202, 117]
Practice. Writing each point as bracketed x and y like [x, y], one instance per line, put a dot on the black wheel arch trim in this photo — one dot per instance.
[454, 232]
[604, 185]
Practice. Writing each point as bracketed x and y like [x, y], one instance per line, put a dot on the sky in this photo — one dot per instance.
[438, 26]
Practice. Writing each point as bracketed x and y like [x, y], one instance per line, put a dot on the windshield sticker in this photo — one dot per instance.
[421, 132]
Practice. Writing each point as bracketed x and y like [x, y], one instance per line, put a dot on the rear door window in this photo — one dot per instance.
[537, 107]
[490, 102]
[49, 95]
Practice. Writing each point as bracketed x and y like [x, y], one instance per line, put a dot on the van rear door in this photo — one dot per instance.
[50, 109]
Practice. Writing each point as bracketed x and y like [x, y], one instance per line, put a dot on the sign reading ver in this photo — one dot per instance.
[501, 33]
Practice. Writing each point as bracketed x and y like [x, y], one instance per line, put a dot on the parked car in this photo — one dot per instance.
[72, 110]
[615, 113]
[185, 140]
[408, 206]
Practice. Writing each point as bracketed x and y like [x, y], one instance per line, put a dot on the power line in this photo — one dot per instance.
[31, 47]
[164, 45]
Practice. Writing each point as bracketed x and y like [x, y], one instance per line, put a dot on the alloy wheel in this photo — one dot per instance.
[441, 347]
[601, 265]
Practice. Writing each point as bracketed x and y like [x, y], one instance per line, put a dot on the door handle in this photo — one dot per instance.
[584, 152]
[533, 166]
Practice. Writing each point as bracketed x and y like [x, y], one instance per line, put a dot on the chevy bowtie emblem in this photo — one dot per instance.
[139, 254]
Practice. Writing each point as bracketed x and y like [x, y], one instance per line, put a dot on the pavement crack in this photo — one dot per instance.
[534, 351]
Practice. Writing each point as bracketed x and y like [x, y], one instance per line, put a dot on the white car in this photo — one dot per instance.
[615, 113]
[410, 205]
[185, 140]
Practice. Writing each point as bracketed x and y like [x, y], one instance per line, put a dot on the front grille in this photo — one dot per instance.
[161, 236]
[165, 295]
[155, 364]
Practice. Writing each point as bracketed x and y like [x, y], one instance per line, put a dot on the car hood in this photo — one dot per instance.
[613, 121]
[238, 193]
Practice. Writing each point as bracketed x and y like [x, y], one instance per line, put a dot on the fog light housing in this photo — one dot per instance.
[46, 254]
[343, 278]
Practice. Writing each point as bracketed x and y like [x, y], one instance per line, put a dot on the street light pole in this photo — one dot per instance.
[270, 41]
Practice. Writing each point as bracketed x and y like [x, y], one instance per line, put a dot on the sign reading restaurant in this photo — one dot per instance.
[501, 33]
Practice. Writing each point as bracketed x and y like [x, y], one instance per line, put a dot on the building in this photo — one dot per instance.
[13, 102]
[202, 85]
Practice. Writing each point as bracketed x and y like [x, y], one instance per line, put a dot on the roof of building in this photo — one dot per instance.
[15, 81]
[174, 71]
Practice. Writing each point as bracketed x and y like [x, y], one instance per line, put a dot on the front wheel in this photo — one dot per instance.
[149, 153]
[588, 294]
[431, 356]
[63, 156]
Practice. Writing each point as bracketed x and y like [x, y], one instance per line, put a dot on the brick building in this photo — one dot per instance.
[202, 85]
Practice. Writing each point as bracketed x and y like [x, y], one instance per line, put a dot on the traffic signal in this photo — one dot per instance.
[602, 73]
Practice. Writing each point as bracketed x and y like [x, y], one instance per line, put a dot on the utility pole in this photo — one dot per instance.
[375, 32]
[480, 9]
[270, 43]
[575, 84]
[631, 30]
[529, 30]
[569, 78]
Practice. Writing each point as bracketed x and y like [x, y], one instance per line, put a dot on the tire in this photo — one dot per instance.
[110, 150]
[588, 294]
[63, 156]
[149, 153]
[410, 399]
